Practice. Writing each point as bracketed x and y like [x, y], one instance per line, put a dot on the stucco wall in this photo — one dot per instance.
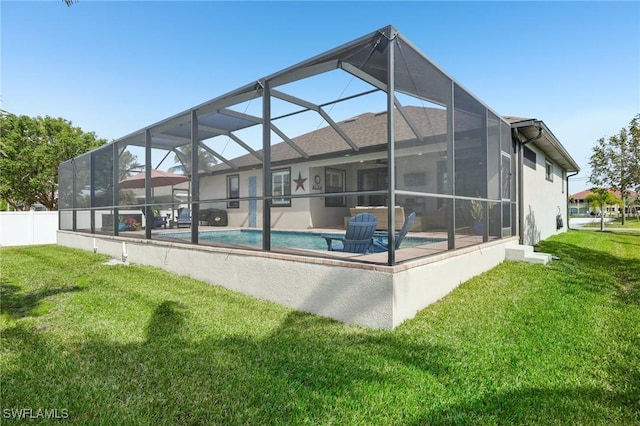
[542, 201]
[422, 285]
[347, 294]
[215, 187]
[296, 216]
[369, 295]
[299, 215]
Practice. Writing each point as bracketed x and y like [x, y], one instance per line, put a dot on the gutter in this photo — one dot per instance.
[555, 143]
[521, 144]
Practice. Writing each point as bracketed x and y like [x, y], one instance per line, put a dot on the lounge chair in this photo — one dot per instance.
[184, 217]
[359, 235]
[380, 242]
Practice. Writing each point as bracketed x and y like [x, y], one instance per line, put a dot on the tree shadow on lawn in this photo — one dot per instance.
[17, 304]
[562, 406]
[595, 270]
[309, 369]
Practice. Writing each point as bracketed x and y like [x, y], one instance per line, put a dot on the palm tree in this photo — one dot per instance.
[601, 198]
[182, 158]
[128, 165]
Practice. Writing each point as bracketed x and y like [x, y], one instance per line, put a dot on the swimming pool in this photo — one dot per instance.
[288, 239]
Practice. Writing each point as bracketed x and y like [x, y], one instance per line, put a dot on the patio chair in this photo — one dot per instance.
[359, 235]
[159, 222]
[380, 242]
[184, 217]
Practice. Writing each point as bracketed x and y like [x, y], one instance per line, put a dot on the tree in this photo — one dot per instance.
[206, 161]
[615, 162]
[128, 165]
[32, 149]
[634, 134]
[601, 198]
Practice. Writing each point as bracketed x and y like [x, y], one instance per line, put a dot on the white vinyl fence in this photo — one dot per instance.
[27, 228]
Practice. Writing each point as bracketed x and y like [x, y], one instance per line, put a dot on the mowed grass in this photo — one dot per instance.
[521, 344]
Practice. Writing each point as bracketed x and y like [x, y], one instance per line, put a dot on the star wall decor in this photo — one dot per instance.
[300, 182]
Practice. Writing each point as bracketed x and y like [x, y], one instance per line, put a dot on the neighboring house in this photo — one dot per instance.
[407, 135]
[579, 206]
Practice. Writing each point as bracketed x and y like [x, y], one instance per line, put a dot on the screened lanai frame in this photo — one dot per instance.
[469, 144]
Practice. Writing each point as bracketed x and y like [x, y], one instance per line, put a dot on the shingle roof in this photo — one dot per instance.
[367, 131]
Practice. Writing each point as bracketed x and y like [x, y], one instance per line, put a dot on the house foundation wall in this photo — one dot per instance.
[319, 286]
[373, 296]
[422, 285]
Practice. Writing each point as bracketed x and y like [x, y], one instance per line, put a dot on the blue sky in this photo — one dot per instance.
[115, 67]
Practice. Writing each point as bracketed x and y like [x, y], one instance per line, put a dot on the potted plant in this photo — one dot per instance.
[477, 213]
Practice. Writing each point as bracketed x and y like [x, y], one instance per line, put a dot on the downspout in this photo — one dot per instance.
[569, 196]
[521, 177]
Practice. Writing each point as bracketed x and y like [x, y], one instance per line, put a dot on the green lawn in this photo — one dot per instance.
[520, 344]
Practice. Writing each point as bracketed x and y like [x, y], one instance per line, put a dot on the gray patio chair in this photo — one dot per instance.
[380, 239]
[359, 235]
[184, 217]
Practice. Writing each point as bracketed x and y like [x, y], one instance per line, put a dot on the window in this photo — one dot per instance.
[548, 170]
[233, 191]
[334, 182]
[280, 187]
[529, 157]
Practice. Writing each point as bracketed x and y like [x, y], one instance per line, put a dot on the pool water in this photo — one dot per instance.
[288, 239]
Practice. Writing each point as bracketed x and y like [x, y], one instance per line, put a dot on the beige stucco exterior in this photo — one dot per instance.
[543, 200]
[368, 295]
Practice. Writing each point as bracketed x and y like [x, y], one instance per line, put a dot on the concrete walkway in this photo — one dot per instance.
[578, 223]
